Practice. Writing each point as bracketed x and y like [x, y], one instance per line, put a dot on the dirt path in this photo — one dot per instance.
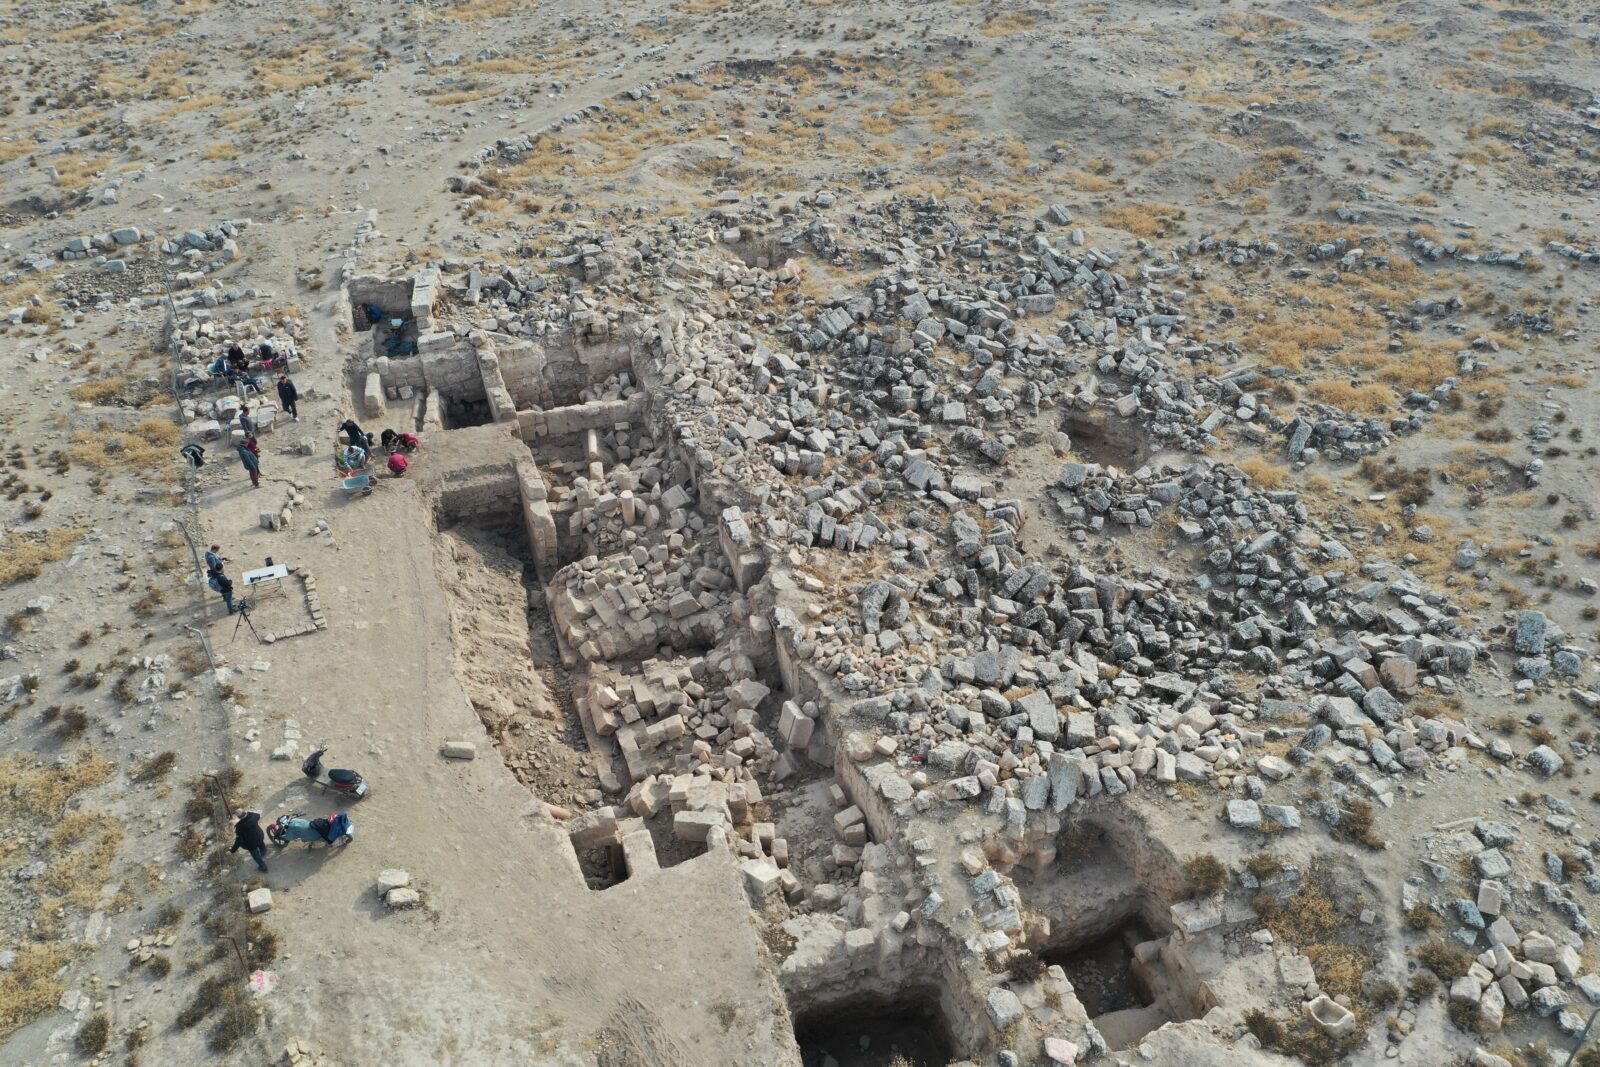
[508, 921]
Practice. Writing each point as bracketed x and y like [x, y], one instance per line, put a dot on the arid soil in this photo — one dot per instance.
[1361, 234]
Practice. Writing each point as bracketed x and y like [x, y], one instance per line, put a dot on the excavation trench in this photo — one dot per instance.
[873, 1031]
[1103, 438]
[628, 628]
[1107, 899]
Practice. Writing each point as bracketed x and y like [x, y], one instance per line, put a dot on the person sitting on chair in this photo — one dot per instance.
[242, 381]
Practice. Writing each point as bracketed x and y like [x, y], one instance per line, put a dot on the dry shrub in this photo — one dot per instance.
[1264, 865]
[1411, 485]
[238, 1022]
[217, 991]
[877, 125]
[94, 1034]
[155, 768]
[1447, 961]
[1205, 873]
[1025, 966]
[1422, 984]
[1355, 825]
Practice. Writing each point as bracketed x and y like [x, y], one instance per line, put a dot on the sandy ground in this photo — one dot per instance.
[1153, 122]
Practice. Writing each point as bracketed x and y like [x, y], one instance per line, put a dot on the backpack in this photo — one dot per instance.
[212, 581]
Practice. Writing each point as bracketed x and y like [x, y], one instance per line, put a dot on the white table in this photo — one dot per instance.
[274, 574]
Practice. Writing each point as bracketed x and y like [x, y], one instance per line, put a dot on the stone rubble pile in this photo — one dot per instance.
[1526, 970]
[627, 605]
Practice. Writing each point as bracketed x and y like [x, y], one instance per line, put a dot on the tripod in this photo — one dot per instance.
[244, 620]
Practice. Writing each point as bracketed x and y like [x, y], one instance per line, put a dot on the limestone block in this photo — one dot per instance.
[403, 898]
[392, 878]
[372, 400]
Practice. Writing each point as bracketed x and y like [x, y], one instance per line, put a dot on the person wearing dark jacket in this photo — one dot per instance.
[355, 434]
[287, 395]
[250, 456]
[247, 834]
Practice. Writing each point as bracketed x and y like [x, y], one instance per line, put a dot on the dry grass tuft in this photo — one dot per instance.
[1008, 22]
[942, 84]
[1143, 220]
[1396, 34]
[1313, 920]
[29, 990]
[1368, 399]
[1255, 28]
[1265, 474]
[29, 786]
[146, 447]
[23, 556]
[99, 390]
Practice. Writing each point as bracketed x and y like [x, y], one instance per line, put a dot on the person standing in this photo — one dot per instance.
[246, 423]
[215, 560]
[247, 834]
[288, 395]
[250, 456]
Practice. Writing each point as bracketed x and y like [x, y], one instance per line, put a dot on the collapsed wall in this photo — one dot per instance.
[903, 811]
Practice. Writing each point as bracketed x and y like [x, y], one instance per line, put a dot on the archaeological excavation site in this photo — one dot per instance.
[800, 533]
